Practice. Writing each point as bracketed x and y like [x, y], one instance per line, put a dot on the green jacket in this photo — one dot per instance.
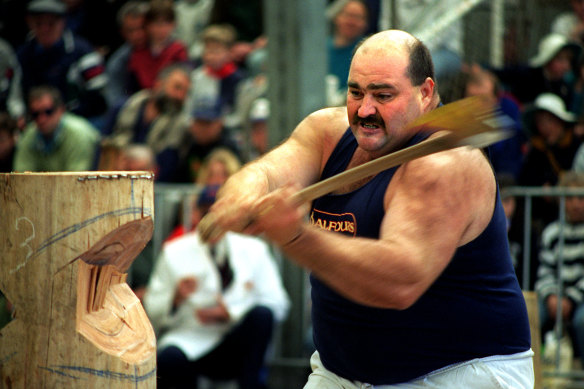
[73, 147]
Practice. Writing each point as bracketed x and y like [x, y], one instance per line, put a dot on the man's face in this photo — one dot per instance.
[133, 30]
[45, 114]
[381, 99]
[47, 28]
[172, 92]
[177, 86]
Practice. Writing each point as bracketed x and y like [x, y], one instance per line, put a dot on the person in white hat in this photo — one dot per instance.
[547, 71]
[552, 148]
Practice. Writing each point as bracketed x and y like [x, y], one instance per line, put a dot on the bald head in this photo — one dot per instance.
[397, 43]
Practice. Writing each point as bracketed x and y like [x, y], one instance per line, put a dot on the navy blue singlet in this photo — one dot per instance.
[474, 309]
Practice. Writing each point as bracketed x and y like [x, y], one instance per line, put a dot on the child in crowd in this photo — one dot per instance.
[218, 78]
[162, 49]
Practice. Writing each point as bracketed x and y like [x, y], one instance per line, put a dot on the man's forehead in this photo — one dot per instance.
[384, 67]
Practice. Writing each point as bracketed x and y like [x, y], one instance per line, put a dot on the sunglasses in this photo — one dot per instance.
[46, 112]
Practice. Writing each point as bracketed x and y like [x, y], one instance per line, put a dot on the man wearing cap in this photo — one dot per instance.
[155, 117]
[546, 72]
[53, 55]
[214, 307]
[207, 132]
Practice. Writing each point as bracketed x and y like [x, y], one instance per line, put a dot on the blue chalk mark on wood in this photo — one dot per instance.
[77, 372]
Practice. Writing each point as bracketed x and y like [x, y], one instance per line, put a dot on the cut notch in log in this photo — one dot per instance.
[108, 313]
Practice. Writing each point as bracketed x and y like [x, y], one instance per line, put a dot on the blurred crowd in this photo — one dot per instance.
[180, 88]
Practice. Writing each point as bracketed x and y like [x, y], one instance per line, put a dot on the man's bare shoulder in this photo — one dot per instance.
[457, 183]
[327, 125]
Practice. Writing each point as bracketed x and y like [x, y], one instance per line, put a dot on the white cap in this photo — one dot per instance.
[555, 105]
[549, 46]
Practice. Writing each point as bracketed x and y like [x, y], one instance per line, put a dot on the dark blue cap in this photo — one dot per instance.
[207, 109]
[207, 195]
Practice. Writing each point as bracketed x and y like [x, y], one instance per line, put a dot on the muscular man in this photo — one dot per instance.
[412, 283]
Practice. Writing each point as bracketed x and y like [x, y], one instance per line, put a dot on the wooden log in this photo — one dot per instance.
[67, 240]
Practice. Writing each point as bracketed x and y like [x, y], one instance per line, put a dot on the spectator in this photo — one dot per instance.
[206, 133]
[214, 308]
[162, 49]
[154, 117]
[53, 55]
[11, 99]
[572, 276]
[55, 140]
[8, 132]
[349, 26]
[552, 149]
[131, 23]
[552, 143]
[218, 77]
[217, 167]
[547, 72]
[192, 16]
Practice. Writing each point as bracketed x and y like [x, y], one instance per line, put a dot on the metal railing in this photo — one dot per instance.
[528, 194]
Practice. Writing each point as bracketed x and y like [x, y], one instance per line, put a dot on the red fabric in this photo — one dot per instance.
[225, 71]
[145, 66]
[177, 232]
[92, 72]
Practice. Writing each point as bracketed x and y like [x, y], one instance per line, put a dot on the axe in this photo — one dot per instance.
[468, 122]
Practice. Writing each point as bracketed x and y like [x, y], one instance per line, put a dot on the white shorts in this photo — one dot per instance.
[513, 371]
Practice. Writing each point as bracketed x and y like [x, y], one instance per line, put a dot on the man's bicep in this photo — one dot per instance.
[428, 214]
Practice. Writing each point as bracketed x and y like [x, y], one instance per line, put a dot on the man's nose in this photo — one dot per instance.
[367, 107]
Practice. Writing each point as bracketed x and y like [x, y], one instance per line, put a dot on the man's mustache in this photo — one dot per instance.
[369, 120]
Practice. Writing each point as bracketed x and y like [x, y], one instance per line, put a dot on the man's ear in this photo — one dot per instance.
[427, 91]
[427, 88]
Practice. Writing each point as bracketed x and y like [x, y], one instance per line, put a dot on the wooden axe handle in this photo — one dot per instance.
[208, 229]
[427, 147]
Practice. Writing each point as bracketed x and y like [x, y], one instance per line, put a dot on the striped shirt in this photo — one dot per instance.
[572, 255]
